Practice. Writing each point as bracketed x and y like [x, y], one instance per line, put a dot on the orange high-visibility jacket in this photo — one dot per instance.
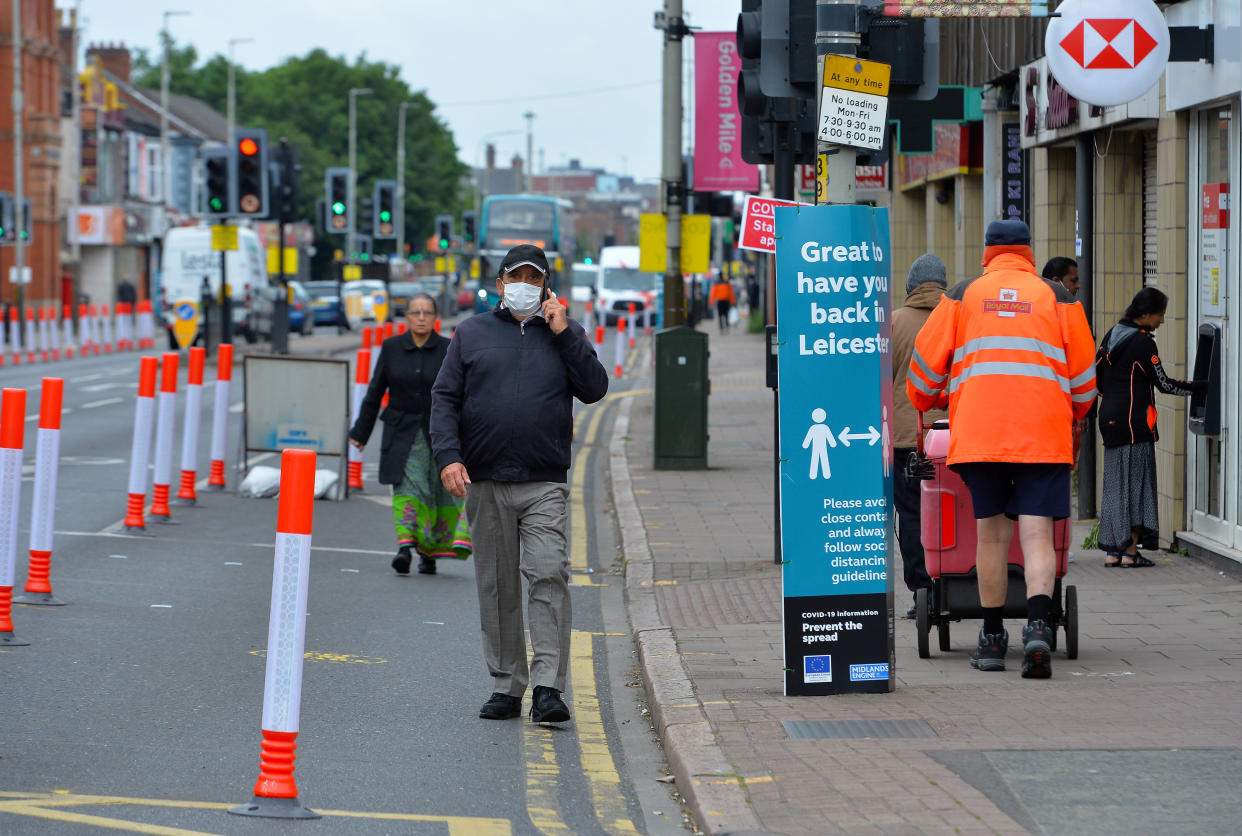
[1016, 357]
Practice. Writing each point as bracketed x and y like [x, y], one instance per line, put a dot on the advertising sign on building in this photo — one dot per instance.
[1013, 182]
[1214, 217]
[718, 163]
[1107, 52]
[966, 8]
[836, 470]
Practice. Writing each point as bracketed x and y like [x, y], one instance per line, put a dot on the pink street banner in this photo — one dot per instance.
[718, 164]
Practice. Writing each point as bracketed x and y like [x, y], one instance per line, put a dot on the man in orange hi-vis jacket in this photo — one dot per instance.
[1014, 354]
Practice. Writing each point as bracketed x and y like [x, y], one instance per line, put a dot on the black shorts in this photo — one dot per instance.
[1012, 489]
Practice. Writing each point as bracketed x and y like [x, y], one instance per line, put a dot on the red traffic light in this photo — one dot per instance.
[248, 147]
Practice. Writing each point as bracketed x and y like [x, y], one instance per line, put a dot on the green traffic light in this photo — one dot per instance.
[216, 204]
[338, 208]
[385, 216]
[588, 260]
[444, 243]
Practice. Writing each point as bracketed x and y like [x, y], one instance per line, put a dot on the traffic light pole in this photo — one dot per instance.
[671, 165]
[280, 309]
[836, 33]
[19, 155]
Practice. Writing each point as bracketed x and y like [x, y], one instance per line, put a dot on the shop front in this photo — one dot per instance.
[1209, 94]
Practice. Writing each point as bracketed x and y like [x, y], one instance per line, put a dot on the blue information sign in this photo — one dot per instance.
[836, 401]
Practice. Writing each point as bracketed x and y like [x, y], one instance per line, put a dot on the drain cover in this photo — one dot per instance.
[843, 729]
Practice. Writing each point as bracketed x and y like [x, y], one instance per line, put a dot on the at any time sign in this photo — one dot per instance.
[1107, 52]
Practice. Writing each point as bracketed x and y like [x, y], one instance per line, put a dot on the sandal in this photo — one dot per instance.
[1112, 564]
[1137, 561]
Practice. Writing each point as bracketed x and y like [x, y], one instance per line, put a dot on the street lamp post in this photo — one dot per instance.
[233, 86]
[19, 154]
[166, 168]
[400, 196]
[529, 116]
[354, 93]
[478, 156]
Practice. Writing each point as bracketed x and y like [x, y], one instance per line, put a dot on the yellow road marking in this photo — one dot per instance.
[608, 801]
[543, 775]
[577, 505]
[739, 780]
[324, 656]
[38, 812]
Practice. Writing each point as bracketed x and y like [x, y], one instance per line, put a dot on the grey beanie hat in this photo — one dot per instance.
[926, 268]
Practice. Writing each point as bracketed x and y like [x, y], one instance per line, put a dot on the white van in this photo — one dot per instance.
[188, 258]
[582, 293]
[621, 283]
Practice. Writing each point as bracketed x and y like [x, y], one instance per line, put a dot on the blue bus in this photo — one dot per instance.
[509, 220]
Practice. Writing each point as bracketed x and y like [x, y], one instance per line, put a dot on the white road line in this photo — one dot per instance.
[104, 402]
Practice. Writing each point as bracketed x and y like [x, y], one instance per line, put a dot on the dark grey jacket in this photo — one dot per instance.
[503, 403]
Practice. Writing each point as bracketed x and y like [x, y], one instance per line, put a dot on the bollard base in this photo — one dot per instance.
[10, 640]
[209, 488]
[183, 501]
[38, 599]
[163, 520]
[274, 808]
[133, 529]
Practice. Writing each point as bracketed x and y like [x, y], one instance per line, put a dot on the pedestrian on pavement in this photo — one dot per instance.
[125, 292]
[501, 430]
[1063, 270]
[925, 284]
[428, 519]
[1129, 371]
[752, 293]
[724, 298]
[1015, 353]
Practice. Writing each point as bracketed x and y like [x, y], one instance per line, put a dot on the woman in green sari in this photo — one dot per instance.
[428, 519]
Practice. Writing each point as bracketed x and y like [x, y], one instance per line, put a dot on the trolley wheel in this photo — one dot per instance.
[922, 621]
[1071, 622]
[1052, 643]
[942, 630]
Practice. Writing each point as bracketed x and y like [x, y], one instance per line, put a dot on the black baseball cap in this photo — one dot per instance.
[524, 254]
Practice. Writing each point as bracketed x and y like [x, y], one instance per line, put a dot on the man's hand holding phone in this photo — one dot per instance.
[455, 479]
[554, 312]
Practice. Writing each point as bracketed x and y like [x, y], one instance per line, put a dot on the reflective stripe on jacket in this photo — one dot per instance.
[1015, 354]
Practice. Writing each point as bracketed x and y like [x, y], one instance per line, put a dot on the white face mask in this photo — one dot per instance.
[522, 298]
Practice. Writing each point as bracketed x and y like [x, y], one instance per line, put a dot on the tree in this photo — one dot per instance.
[306, 100]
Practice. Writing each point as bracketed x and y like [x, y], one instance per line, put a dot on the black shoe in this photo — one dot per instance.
[548, 707]
[401, 563]
[501, 707]
[910, 613]
[426, 565]
[990, 654]
[1037, 650]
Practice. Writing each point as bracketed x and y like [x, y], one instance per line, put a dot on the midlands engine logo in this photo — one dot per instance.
[1108, 43]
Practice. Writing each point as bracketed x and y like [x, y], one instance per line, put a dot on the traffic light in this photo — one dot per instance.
[339, 218]
[26, 220]
[364, 248]
[468, 231]
[285, 184]
[218, 202]
[788, 64]
[444, 231]
[7, 228]
[252, 173]
[366, 215]
[385, 209]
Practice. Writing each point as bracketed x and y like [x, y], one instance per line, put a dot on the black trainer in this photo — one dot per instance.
[426, 565]
[990, 654]
[501, 707]
[547, 706]
[401, 563]
[1037, 650]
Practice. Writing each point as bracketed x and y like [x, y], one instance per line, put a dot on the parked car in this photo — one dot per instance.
[466, 294]
[325, 301]
[399, 294]
[263, 306]
[359, 297]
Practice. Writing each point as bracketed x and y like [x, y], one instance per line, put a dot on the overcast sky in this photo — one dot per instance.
[589, 69]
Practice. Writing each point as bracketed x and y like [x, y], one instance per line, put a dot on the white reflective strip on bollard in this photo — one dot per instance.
[107, 330]
[166, 403]
[54, 333]
[43, 505]
[286, 633]
[69, 333]
[220, 420]
[189, 433]
[141, 449]
[15, 336]
[375, 350]
[10, 502]
[45, 342]
[360, 391]
[31, 345]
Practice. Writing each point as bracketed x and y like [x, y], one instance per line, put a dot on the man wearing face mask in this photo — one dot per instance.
[501, 428]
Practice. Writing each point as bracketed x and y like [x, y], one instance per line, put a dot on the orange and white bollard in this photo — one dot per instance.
[96, 331]
[140, 449]
[436, 327]
[400, 327]
[124, 326]
[53, 332]
[387, 331]
[66, 319]
[105, 321]
[620, 344]
[220, 416]
[190, 427]
[600, 330]
[84, 330]
[275, 792]
[632, 319]
[362, 379]
[31, 348]
[648, 298]
[165, 415]
[38, 589]
[15, 336]
[45, 341]
[146, 325]
[366, 337]
[12, 434]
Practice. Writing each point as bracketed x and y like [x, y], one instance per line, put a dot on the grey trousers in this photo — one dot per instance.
[521, 527]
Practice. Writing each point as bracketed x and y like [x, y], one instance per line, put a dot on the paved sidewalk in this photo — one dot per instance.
[1140, 734]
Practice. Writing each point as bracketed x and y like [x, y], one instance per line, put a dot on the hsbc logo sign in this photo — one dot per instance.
[1107, 52]
[1108, 44]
